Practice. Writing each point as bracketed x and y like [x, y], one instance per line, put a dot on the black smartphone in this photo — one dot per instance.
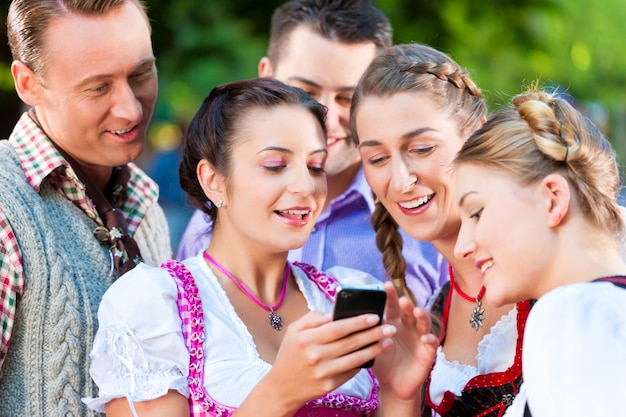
[351, 301]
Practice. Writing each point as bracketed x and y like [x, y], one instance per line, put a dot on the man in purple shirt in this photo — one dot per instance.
[323, 48]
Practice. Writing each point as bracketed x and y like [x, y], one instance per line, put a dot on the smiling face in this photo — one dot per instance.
[406, 145]
[504, 230]
[329, 72]
[96, 97]
[277, 186]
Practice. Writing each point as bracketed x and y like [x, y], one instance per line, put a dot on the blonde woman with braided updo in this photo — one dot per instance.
[537, 188]
[412, 111]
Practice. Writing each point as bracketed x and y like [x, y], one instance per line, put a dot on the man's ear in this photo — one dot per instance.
[265, 68]
[211, 181]
[26, 83]
[558, 197]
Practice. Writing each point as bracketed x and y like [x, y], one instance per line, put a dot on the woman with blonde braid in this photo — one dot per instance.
[412, 111]
[543, 162]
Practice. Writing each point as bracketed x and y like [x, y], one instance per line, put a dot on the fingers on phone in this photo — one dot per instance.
[349, 325]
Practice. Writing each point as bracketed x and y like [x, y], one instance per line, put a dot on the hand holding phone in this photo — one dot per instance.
[351, 301]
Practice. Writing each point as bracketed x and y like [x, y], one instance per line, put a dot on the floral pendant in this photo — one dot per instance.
[276, 322]
[478, 315]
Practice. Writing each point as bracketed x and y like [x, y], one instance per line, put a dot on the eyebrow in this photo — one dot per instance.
[289, 151]
[319, 87]
[148, 61]
[405, 137]
[465, 195]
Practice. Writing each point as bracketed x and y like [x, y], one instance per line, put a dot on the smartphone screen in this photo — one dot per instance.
[351, 302]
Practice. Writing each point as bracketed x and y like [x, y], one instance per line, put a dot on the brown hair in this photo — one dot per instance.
[28, 21]
[347, 21]
[415, 68]
[542, 133]
[212, 131]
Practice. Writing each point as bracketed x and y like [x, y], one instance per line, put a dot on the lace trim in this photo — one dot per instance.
[455, 375]
[148, 387]
[506, 383]
[346, 403]
[496, 339]
[490, 341]
[466, 370]
[129, 372]
[242, 330]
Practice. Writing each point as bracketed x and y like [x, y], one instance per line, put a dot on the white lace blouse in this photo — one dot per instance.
[496, 353]
[139, 351]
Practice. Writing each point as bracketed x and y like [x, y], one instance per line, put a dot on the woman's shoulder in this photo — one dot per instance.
[578, 311]
[143, 286]
[143, 276]
[572, 342]
[580, 298]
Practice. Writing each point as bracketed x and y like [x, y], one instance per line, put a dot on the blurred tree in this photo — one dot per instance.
[575, 45]
[201, 44]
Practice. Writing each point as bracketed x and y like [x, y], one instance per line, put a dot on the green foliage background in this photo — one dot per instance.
[506, 44]
[573, 45]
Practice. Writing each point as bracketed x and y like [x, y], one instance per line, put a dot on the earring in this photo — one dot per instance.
[219, 203]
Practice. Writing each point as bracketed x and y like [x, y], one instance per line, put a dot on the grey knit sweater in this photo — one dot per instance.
[66, 270]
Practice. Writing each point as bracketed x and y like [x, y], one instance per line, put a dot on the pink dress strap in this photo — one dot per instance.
[192, 315]
[333, 404]
[327, 284]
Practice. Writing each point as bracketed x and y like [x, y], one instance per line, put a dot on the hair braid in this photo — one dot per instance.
[420, 68]
[542, 134]
[568, 137]
[389, 243]
[446, 72]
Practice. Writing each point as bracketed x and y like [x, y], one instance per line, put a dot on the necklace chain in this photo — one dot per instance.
[478, 314]
[478, 297]
[274, 319]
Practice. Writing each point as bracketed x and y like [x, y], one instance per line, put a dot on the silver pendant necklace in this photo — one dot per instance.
[478, 314]
[274, 319]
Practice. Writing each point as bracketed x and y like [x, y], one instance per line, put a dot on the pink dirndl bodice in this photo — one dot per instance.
[201, 404]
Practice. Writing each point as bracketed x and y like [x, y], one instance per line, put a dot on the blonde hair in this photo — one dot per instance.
[542, 134]
[415, 68]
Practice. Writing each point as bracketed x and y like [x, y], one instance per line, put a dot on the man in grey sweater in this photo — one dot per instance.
[75, 212]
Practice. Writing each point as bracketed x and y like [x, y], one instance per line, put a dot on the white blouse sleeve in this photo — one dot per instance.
[139, 351]
[575, 352]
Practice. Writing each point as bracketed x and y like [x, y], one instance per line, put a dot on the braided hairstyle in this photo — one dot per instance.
[542, 134]
[415, 68]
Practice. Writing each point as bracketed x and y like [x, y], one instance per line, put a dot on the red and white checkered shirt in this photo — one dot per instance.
[42, 162]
